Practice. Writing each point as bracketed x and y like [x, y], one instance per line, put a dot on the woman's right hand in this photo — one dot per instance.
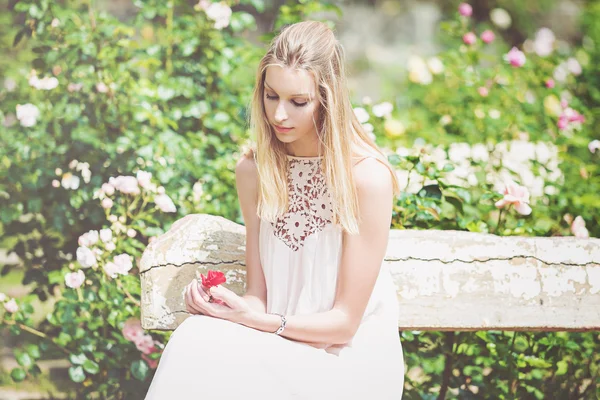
[196, 299]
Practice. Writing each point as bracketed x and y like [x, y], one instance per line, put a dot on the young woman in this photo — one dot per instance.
[319, 317]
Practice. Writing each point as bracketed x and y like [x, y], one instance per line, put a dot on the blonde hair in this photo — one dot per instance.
[312, 46]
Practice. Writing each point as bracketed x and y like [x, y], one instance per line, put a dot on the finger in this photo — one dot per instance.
[187, 300]
[197, 300]
[192, 308]
[205, 296]
[188, 304]
[221, 294]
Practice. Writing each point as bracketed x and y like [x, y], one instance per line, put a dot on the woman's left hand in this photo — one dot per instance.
[232, 307]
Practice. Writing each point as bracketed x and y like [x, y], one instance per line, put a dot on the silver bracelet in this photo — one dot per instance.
[282, 326]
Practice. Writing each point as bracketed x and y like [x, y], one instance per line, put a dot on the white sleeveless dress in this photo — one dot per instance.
[209, 358]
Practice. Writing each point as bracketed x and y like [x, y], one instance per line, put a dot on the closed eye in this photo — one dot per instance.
[295, 103]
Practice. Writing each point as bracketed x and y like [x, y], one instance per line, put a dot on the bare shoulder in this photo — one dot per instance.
[246, 166]
[370, 174]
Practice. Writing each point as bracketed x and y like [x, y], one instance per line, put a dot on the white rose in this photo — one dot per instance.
[11, 306]
[105, 235]
[144, 179]
[573, 66]
[111, 269]
[107, 203]
[164, 203]
[501, 18]
[108, 189]
[220, 13]
[86, 257]
[27, 114]
[435, 65]
[383, 109]
[126, 184]
[124, 263]
[70, 181]
[74, 279]
[361, 114]
[88, 239]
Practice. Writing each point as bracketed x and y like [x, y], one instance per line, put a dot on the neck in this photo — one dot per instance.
[306, 151]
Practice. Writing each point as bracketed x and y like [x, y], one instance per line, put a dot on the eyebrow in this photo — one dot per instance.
[294, 95]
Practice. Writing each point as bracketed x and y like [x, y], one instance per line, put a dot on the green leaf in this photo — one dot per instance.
[139, 369]
[563, 367]
[33, 350]
[17, 374]
[77, 359]
[24, 360]
[77, 374]
[91, 367]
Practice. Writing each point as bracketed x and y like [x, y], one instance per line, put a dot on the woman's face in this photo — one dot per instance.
[290, 102]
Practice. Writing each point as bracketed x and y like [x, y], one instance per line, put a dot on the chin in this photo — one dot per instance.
[284, 138]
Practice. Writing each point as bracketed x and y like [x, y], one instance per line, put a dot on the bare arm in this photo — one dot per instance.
[246, 177]
[362, 256]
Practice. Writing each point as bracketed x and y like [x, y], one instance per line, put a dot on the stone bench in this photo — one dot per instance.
[446, 280]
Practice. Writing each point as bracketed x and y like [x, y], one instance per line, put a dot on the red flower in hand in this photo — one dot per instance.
[214, 278]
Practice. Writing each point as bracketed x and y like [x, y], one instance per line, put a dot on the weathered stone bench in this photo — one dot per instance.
[446, 280]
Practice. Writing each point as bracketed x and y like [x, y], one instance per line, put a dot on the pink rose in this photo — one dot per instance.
[483, 91]
[74, 279]
[469, 38]
[516, 195]
[145, 344]
[488, 36]
[550, 83]
[151, 363]
[562, 122]
[573, 115]
[578, 228]
[11, 306]
[132, 330]
[465, 9]
[515, 57]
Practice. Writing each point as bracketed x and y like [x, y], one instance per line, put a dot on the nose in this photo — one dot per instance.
[280, 113]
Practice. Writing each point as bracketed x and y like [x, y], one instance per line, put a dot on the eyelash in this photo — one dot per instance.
[296, 104]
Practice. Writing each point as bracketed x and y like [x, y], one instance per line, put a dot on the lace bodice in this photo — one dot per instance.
[309, 209]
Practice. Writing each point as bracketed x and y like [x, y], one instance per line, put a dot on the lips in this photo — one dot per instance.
[282, 128]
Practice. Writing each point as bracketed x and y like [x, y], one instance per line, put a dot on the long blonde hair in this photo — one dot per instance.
[312, 46]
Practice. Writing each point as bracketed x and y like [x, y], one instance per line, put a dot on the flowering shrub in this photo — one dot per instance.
[493, 138]
[489, 137]
[95, 318]
[90, 100]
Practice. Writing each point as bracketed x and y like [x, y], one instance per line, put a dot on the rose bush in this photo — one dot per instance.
[494, 138]
[111, 130]
[116, 129]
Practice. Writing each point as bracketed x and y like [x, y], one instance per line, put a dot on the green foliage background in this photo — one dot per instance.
[175, 105]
